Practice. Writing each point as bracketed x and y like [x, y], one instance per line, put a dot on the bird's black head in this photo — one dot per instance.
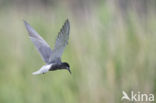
[66, 66]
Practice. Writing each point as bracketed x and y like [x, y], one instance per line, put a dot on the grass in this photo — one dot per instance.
[107, 55]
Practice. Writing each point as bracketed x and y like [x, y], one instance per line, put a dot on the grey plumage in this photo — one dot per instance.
[41, 45]
[61, 42]
[44, 49]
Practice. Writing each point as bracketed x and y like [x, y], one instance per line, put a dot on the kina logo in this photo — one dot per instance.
[138, 96]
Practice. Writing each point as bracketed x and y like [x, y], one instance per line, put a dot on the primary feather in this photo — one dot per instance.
[61, 42]
[41, 45]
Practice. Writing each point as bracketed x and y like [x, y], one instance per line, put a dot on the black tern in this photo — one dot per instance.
[52, 58]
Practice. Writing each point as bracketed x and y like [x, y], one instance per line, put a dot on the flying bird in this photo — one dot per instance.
[52, 58]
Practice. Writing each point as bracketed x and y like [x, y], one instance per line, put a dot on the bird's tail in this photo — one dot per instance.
[36, 73]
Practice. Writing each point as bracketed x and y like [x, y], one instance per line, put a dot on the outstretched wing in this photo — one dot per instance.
[61, 42]
[41, 45]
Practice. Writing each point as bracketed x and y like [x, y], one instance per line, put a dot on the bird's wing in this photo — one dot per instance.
[61, 42]
[41, 45]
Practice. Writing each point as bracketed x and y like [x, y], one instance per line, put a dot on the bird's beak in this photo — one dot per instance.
[69, 70]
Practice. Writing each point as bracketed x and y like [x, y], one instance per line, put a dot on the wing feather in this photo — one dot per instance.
[61, 42]
[41, 45]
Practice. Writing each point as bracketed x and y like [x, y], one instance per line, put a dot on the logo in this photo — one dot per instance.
[140, 97]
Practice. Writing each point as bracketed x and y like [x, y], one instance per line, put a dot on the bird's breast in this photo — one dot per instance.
[54, 67]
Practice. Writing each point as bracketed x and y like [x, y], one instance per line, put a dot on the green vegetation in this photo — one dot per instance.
[107, 52]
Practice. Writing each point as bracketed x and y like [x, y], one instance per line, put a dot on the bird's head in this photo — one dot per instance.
[66, 66]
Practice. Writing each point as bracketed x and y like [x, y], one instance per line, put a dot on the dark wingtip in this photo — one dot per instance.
[67, 21]
[25, 22]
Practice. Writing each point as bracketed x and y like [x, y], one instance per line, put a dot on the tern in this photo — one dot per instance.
[52, 58]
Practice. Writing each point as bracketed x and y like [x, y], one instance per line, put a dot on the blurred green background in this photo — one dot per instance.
[112, 47]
